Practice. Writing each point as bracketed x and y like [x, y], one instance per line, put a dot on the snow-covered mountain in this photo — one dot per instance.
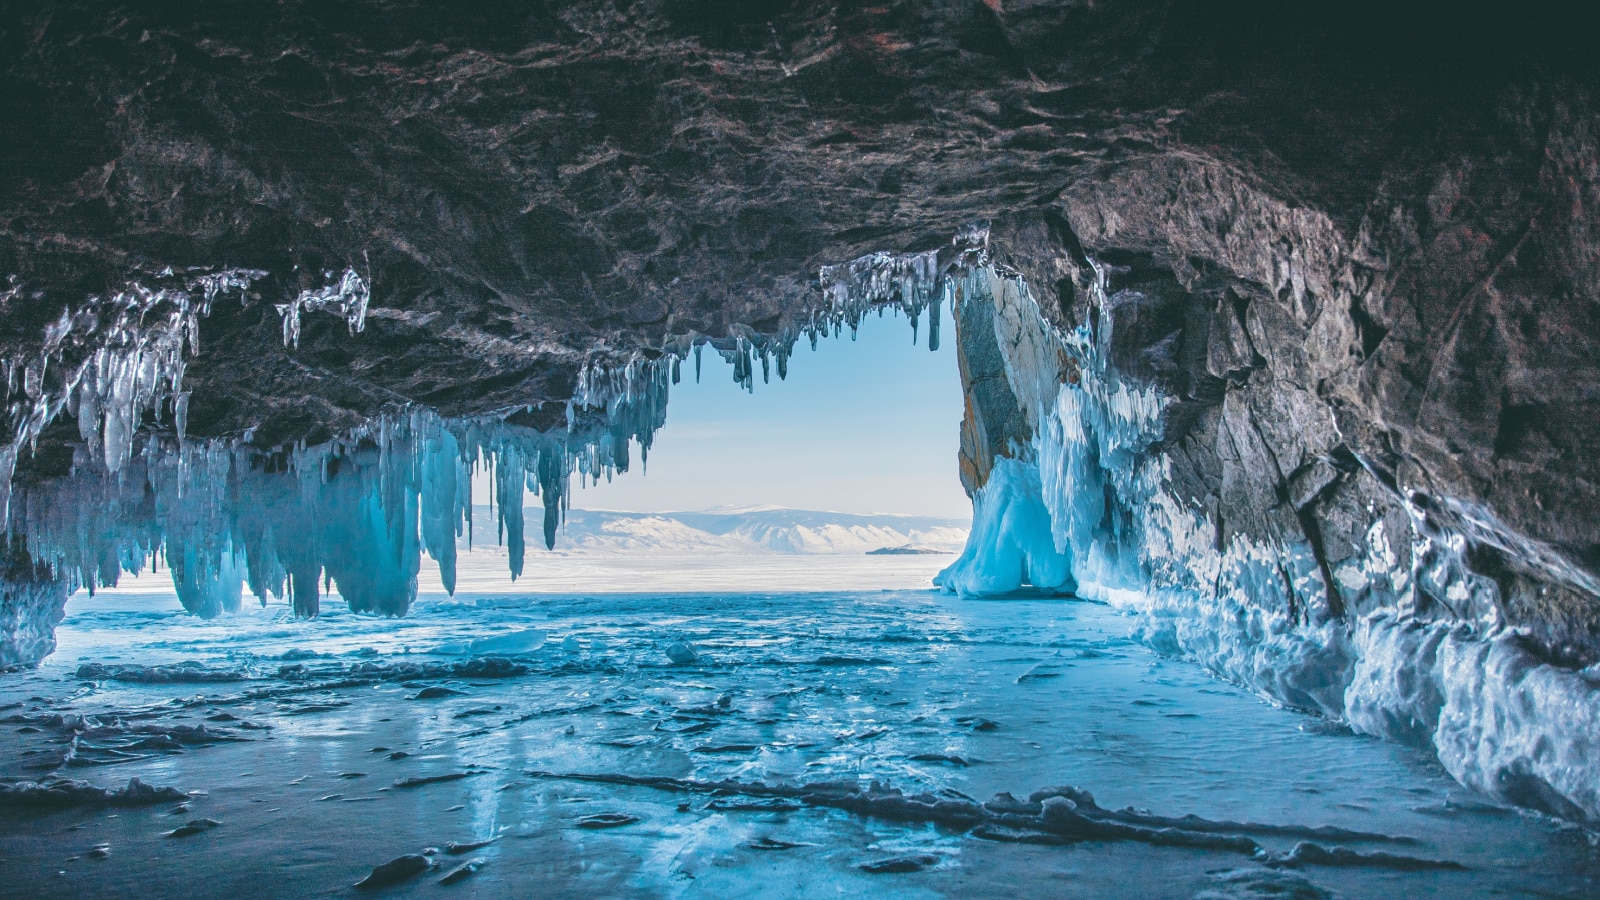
[745, 530]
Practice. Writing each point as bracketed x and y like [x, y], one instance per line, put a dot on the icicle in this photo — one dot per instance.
[8, 466]
[348, 298]
[441, 511]
[510, 475]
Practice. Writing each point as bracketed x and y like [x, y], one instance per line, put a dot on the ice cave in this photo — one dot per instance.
[513, 449]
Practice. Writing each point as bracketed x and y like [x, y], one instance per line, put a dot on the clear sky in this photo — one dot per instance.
[864, 426]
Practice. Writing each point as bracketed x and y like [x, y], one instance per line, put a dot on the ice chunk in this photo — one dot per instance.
[510, 644]
[395, 871]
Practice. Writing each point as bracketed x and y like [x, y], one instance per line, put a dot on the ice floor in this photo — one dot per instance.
[340, 744]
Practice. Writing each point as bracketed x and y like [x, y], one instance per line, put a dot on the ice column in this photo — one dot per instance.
[1012, 542]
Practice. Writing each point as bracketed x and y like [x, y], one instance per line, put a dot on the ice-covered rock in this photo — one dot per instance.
[33, 599]
[1309, 580]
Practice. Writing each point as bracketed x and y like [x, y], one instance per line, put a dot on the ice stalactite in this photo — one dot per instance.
[910, 281]
[509, 483]
[205, 586]
[446, 501]
[357, 513]
[109, 362]
[346, 297]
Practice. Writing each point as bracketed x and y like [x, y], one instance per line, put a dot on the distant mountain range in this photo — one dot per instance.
[744, 530]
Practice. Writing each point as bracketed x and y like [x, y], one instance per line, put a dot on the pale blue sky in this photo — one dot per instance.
[864, 426]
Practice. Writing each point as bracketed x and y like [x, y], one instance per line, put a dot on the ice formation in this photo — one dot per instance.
[1011, 543]
[32, 599]
[358, 512]
[109, 362]
[911, 281]
[345, 297]
[1062, 814]
[1083, 502]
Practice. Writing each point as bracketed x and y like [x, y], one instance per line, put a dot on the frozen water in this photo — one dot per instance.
[359, 511]
[512, 643]
[108, 362]
[767, 764]
[1081, 506]
[345, 296]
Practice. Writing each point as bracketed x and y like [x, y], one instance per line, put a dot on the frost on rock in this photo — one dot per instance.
[346, 298]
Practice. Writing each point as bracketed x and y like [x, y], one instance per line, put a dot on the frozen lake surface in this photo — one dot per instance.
[730, 744]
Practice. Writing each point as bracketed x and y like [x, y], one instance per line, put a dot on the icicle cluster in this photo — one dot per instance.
[347, 298]
[357, 512]
[360, 511]
[108, 363]
[910, 281]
